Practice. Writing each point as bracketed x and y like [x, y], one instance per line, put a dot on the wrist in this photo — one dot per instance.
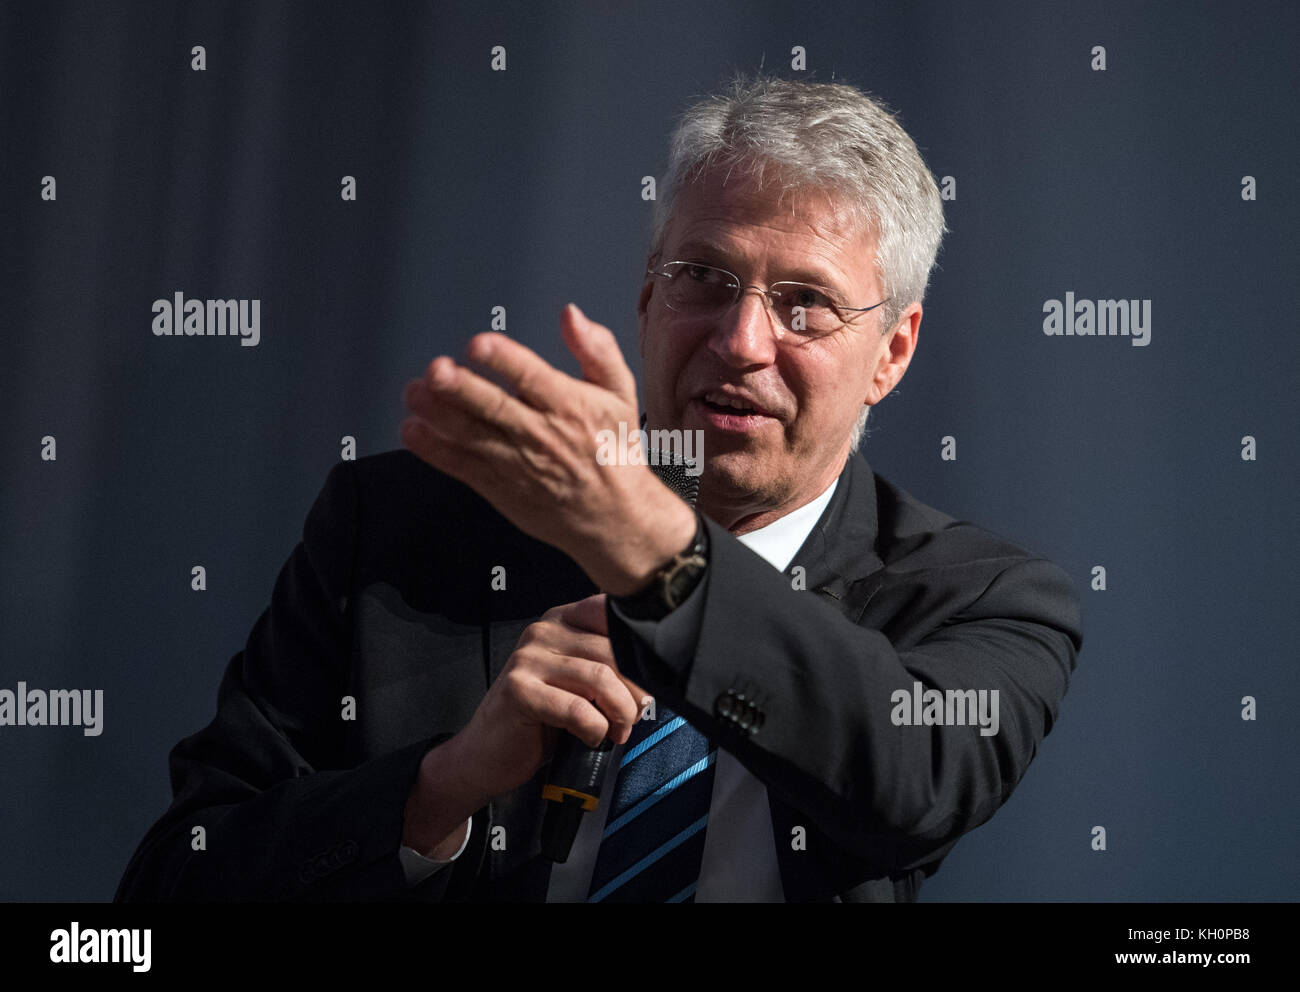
[439, 804]
[449, 848]
[673, 583]
[634, 562]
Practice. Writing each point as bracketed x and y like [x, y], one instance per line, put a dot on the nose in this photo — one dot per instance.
[746, 333]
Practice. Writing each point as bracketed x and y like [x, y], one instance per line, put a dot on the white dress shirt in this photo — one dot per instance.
[739, 862]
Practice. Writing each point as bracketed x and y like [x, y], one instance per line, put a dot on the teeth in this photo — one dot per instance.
[723, 400]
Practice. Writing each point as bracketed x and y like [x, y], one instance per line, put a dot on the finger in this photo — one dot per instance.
[571, 642]
[587, 614]
[482, 400]
[597, 647]
[643, 698]
[471, 466]
[598, 353]
[597, 683]
[557, 708]
[535, 381]
[446, 417]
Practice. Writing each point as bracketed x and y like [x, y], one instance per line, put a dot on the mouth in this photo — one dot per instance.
[730, 411]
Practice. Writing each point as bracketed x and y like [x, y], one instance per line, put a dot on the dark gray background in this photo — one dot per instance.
[522, 188]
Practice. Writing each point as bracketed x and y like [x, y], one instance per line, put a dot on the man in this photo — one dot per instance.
[760, 663]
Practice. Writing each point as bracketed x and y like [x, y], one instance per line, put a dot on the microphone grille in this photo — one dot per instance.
[670, 467]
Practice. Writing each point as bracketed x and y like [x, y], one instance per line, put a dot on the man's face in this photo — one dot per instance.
[807, 391]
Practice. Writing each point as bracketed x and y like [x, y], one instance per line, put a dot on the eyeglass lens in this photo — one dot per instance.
[694, 288]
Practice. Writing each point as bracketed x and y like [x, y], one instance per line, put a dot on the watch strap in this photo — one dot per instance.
[673, 582]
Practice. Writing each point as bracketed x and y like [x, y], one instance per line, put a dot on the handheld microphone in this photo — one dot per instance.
[577, 774]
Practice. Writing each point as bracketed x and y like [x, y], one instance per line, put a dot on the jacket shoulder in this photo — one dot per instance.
[911, 529]
[396, 477]
[947, 569]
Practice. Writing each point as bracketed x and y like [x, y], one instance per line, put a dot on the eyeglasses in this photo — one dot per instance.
[705, 290]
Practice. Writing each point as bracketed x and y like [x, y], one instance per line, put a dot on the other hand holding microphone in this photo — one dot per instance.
[561, 676]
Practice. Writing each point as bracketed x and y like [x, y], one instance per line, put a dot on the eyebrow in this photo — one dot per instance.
[713, 250]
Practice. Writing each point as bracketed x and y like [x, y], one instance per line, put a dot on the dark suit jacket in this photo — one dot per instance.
[388, 600]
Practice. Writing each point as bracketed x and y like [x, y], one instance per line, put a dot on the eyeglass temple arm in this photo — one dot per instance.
[865, 309]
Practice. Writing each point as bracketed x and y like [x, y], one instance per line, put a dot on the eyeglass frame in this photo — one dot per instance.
[740, 289]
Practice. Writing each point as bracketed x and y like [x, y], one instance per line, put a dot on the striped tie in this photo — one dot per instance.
[654, 838]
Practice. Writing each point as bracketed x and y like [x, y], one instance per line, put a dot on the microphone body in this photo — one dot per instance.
[573, 787]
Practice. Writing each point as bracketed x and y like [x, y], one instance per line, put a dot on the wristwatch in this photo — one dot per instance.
[673, 582]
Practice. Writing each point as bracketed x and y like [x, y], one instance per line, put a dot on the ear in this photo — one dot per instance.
[895, 353]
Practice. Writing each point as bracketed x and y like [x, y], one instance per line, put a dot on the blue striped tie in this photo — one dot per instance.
[654, 837]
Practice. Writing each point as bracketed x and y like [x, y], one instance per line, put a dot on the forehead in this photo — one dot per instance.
[769, 233]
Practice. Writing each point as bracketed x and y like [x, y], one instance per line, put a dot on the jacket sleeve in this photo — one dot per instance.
[265, 805]
[832, 741]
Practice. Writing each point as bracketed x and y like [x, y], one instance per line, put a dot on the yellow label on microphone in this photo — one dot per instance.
[556, 793]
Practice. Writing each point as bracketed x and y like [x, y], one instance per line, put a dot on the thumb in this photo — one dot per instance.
[598, 354]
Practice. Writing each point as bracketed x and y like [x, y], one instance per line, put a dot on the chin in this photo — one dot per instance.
[734, 474]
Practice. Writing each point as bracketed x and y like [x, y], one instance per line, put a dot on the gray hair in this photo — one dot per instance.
[825, 137]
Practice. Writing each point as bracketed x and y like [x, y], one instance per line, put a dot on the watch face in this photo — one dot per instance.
[682, 581]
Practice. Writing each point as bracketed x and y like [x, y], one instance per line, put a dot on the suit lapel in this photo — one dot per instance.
[840, 550]
[842, 566]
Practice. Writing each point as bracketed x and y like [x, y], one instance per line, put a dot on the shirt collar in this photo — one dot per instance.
[778, 541]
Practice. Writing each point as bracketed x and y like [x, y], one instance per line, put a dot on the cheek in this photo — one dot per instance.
[666, 358]
[823, 390]
[660, 366]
